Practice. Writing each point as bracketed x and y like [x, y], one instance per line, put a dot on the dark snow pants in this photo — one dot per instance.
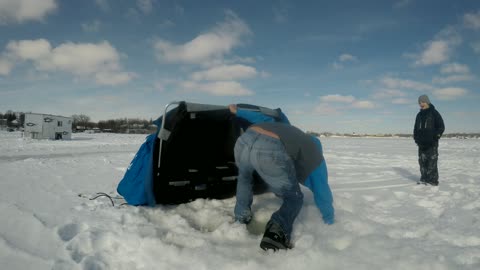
[428, 158]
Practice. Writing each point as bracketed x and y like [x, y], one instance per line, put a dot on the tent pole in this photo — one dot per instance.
[161, 132]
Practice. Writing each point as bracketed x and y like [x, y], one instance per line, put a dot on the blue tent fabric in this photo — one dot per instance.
[136, 186]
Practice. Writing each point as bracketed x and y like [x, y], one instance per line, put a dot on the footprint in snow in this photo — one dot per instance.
[69, 231]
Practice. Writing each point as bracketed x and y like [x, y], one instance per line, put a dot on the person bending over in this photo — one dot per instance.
[285, 157]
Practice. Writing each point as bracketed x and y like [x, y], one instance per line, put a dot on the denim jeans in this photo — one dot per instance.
[267, 156]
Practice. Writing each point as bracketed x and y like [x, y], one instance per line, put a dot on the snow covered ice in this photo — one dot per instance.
[384, 220]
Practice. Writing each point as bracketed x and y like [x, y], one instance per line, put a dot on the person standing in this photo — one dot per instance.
[428, 129]
[285, 157]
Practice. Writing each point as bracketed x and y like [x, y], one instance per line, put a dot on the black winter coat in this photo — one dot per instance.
[428, 128]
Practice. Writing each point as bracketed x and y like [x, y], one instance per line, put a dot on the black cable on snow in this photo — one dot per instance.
[102, 194]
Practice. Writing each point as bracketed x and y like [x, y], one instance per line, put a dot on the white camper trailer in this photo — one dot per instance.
[46, 126]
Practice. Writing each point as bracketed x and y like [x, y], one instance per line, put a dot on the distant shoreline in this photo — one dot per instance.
[347, 135]
[323, 134]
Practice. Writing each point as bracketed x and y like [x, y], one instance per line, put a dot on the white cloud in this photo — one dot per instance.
[402, 3]
[388, 93]
[440, 49]
[166, 24]
[223, 88]
[280, 12]
[206, 47]
[476, 47]
[159, 86]
[472, 20]
[453, 72]
[113, 77]
[450, 93]
[337, 66]
[5, 66]
[25, 10]
[326, 109]
[98, 61]
[394, 83]
[133, 15]
[163, 84]
[209, 50]
[337, 98]
[146, 6]
[347, 57]
[334, 104]
[225, 73]
[243, 60]
[343, 58]
[454, 68]
[393, 96]
[453, 78]
[29, 49]
[436, 52]
[264, 74]
[402, 101]
[363, 104]
[179, 10]
[103, 4]
[93, 26]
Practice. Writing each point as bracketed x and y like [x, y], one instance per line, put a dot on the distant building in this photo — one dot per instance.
[46, 126]
[3, 123]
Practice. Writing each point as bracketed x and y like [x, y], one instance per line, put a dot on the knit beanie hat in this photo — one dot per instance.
[423, 98]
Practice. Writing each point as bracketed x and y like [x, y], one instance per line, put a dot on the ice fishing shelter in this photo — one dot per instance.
[191, 154]
[46, 126]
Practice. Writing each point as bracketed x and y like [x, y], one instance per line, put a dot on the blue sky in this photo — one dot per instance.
[337, 66]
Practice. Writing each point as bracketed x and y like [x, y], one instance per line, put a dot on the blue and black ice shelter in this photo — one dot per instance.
[190, 156]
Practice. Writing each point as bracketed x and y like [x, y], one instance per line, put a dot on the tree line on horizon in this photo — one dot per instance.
[459, 135]
[82, 122]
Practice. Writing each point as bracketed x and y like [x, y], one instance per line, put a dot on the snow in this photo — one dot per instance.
[384, 220]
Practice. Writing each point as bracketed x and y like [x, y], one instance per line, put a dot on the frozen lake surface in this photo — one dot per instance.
[384, 220]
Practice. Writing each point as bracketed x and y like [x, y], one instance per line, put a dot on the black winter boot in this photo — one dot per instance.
[274, 238]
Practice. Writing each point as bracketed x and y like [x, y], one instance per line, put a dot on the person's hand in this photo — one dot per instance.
[329, 220]
[233, 108]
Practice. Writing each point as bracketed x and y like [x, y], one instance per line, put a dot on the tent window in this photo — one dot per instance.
[59, 123]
